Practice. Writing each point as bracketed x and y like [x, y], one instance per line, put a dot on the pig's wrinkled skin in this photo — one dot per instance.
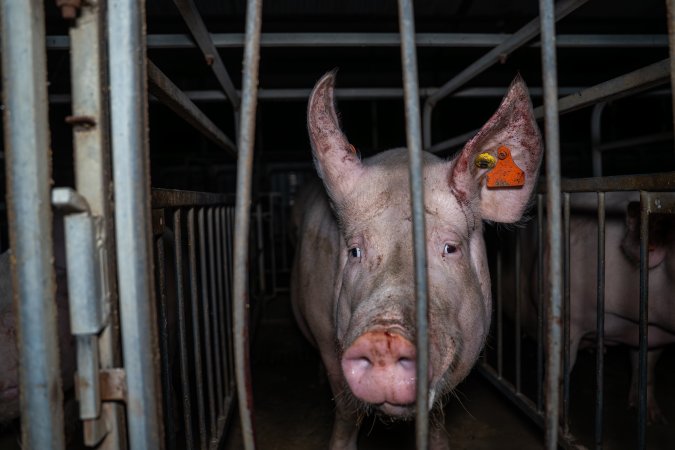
[622, 283]
[9, 356]
[353, 282]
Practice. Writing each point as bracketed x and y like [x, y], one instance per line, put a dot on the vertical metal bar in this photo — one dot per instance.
[93, 173]
[242, 219]
[596, 138]
[550, 82]
[272, 246]
[540, 302]
[500, 315]
[220, 308]
[163, 329]
[406, 18]
[566, 312]
[182, 327]
[644, 319]
[600, 325]
[128, 93]
[206, 317]
[196, 335]
[518, 343]
[213, 300]
[230, 292]
[227, 297]
[670, 6]
[28, 170]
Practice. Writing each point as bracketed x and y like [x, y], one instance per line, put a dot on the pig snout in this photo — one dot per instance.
[380, 369]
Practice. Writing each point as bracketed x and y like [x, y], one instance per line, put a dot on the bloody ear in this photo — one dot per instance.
[335, 158]
[513, 128]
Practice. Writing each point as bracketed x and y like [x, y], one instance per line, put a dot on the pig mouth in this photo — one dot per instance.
[392, 410]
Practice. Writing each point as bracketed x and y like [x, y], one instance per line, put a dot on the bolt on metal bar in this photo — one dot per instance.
[566, 314]
[600, 326]
[670, 7]
[202, 38]
[24, 81]
[245, 143]
[619, 87]
[196, 333]
[169, 94]
[93, 173]
[182, 326]
[552, 136]
[643, 319]
[128, 94]
[499, 53]
[406, 18]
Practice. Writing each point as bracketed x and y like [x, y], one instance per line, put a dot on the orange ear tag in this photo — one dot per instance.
[506, 174]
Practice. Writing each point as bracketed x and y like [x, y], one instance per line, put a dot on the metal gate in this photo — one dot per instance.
[201, 243]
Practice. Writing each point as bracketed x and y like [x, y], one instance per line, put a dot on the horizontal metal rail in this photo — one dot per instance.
[632, 142]
[622, 86]
[517, 40]
[205, 43]
[168, 93]
[645, 182]
[169, 198]
[439, 40]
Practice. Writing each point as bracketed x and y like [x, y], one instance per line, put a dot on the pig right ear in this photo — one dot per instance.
[335, 158]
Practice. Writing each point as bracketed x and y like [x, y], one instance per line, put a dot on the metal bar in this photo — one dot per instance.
[169, 94]
[500, 315]
[596, 137]
[499, 53]
[182, 327]
[273, 252]
[541, 311]
[600, 326]
[167, 198]
[356, 93]
[227, 346]
[230, 295]
[670, 8]
[566, 314]
[406, 20]
[24, 82]
[163, 328]
[196, 335]
[517, 334]
[643, 319]
[242, 220]
[203, 40]
[126, 24]
[219, 306]
[553, 235]
[647, 182]
[206, 315]
[213, 301]
[448, 40]
[636, 141]
[621, 86]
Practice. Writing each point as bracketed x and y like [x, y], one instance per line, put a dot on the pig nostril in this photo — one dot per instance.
[406, 363]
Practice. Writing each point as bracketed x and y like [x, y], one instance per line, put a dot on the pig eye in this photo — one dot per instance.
[449, 249]
[355, 252]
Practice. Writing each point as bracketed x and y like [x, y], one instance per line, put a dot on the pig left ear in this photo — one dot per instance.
[508, 151]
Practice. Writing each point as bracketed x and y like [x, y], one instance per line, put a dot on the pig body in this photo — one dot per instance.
[353, 277]
[622, 282]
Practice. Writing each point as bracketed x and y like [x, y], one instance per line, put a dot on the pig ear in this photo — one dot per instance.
[335, 158]
[513, 126]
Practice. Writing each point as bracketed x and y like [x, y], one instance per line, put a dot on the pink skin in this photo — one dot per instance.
[352, 283]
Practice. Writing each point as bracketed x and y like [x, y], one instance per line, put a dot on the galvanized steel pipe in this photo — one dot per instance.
[406, 19]
[242, 220]
[28, 169]
[128, 94]
[552, 139]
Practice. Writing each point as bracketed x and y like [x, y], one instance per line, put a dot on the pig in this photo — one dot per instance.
[352, 288]
[622, 281]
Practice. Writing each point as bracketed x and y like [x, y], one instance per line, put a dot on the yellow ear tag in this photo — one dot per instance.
[506, 174]
[485, 161]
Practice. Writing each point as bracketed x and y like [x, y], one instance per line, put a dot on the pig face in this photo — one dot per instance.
[374, 315]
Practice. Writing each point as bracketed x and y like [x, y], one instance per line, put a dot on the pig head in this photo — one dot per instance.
[353, 282]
